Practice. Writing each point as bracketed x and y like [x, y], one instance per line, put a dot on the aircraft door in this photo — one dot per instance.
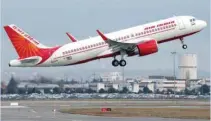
[181, 23]
[54, 59]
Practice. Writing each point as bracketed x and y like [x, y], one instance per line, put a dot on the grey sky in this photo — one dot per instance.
[48, 20]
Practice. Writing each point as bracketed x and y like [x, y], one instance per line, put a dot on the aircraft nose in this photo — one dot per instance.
[203, 24]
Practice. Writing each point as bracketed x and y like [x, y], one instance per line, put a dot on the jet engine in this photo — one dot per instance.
[148, 47]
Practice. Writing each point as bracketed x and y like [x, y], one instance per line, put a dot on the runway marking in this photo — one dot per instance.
[12, 107]
[33, 111]
[38, 116]
[64, 105]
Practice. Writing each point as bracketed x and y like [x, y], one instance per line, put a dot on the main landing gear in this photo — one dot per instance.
[184, 46]
[122, 62]
[116, 63]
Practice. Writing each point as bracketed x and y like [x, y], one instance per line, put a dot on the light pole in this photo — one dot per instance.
[174, 72]
[123, 74]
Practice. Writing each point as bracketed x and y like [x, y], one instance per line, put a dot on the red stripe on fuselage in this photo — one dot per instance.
[166, 40]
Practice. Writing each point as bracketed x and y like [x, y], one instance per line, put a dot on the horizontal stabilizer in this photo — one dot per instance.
[30, 61]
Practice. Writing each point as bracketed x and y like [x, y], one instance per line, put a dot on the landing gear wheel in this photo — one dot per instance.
[115, 63]
[122, 63]
[184, 46]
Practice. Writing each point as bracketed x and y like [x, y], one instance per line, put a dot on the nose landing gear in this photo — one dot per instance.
[184, 46]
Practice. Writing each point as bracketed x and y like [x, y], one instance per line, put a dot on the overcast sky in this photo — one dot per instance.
[48, 20]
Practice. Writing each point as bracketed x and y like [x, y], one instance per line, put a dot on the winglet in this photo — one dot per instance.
[102, 35]
[71, 37]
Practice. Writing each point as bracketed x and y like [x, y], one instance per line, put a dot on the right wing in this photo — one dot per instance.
[126, 46]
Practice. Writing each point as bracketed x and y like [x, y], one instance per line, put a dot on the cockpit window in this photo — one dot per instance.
[192, 21]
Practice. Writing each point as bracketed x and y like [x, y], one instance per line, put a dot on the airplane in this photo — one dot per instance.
[140, 40]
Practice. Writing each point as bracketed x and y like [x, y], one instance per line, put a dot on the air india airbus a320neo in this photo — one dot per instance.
[139, 40]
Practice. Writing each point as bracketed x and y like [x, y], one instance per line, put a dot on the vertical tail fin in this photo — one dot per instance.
[24, 44]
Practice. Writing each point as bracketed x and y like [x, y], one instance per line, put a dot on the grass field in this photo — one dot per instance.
[182, 113]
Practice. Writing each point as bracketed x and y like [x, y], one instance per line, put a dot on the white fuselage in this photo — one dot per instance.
[95, 47]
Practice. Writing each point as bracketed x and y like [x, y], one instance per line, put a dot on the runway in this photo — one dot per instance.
[44, 110]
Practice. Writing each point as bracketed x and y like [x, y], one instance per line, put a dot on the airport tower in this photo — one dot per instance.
[188, 66]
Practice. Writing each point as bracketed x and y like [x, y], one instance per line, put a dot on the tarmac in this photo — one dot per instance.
[48, 110]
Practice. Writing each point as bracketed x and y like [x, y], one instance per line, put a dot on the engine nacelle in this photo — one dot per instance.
[147, 48]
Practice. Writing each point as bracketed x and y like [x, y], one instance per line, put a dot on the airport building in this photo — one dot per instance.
[197, 83]
[24, 85]
[132, 87]
[111, 76]
[111, 85]
[162, 84]
[148, 84]
[96, 86]
[76, 86]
